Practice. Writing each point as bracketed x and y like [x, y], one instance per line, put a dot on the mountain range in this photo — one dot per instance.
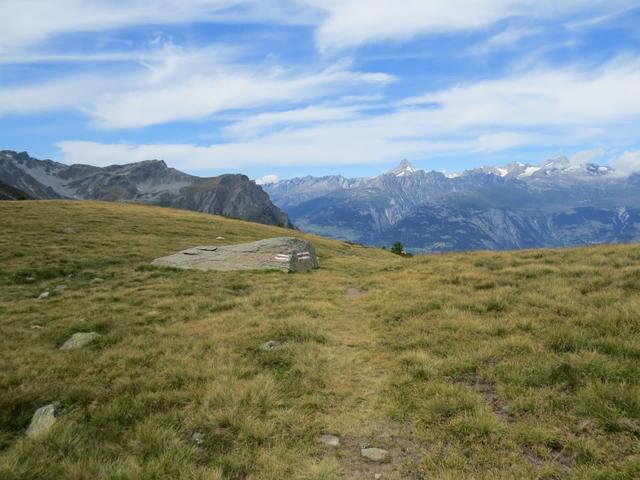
[151, 182]
[556, 203]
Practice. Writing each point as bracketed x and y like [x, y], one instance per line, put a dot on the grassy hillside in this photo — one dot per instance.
[483, 365]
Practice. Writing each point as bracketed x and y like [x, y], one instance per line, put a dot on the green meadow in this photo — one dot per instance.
[510, 365]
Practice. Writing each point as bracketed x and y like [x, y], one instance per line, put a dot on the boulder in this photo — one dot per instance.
[287, 254]
[79, 340]
[375, 454]
[330, 440]
[197, 438]
[42, 421]
[271, 345]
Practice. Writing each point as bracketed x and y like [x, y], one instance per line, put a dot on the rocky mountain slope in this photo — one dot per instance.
[149, 182]
[7, 192]
[556, 203]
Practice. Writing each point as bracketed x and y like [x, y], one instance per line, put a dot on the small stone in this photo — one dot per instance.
[30, 279]
[60, 288]
[43, 296]
[271, 345]
[219, 238]
[42, 421]
[69, 230]
[197, 438]
[35, 326]
[375, 454]
[377, 476]
[97, 280]
[79, 340]
[330, 440]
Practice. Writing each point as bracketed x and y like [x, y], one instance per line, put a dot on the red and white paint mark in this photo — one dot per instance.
[281, 257]
[304, 256]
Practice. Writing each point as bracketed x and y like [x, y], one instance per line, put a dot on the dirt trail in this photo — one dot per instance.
[359, 378]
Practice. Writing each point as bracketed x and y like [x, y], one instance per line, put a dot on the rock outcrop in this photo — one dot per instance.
[7, 192]
[375, 454]
[330, 440]
[79, 340]
[287, 254]
[42, 421]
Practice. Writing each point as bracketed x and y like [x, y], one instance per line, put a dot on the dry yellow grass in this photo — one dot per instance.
[484, 365]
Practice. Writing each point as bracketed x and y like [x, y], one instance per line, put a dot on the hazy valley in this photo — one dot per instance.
[555, 204]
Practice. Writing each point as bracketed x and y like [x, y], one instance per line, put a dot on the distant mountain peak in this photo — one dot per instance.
[553, 167]
[405, 167]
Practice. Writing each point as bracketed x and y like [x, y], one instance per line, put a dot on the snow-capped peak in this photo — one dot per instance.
[404, 168]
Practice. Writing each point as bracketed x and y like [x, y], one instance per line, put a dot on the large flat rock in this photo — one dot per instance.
[287, 254]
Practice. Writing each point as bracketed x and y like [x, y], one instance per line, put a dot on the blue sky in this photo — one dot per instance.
[295, 87]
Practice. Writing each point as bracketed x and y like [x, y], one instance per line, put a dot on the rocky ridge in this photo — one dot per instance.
[150, 181]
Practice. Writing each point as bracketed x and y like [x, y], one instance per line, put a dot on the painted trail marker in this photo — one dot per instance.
[288, 254]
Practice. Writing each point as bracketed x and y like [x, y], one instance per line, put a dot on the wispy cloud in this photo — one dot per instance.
[338, 23]
[539, 107]
[296, 101]
[587, 156]
[603, 95]
[174, 91]
[628, 162]
[257, 124]
[506, 39]
[28, 22]
[355, 22]
[58, 94]
[176, 84]
[267, 179]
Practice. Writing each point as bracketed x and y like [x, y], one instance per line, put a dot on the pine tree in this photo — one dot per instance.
[397, 248]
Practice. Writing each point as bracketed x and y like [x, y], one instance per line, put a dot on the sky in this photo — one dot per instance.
[284, 88]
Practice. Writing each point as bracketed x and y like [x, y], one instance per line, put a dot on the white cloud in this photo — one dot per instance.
[267, 179]
[552, 109]
[261, 122]
[573, 96]
[355, 22]
[53, 95]
[586, 156]
[322, 145]
[506, 39]
[29, 22]
[177, 92]
[627, 163]
[178, 84]
[338, 23]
